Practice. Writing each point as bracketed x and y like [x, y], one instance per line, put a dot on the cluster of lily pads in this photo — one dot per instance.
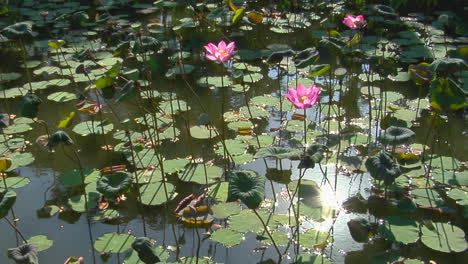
[189, 102]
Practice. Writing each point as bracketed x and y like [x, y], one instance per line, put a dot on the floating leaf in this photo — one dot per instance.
[75, 178]
[310, 258]
[93, 127]
[61, 97]
[15, 182]
[41, 241]
[112, 185]
[306, 57]
[279, 153]
[445, 94]
[400, 229]
[201, 174]
[114, 243]
[7, 200]
[227, 237]
[202, 132]
[444, 237]
[157, 193]
[225, 210]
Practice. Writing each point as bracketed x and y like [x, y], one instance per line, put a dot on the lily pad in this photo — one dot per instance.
[93, 127]
[114, 243]
[155, 193]
[227, 237]
[201, 174]
[42, 242]
[444, 237]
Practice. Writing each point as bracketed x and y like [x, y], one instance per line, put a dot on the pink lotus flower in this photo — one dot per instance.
[355, 22]
[302, 97]
[221, 53]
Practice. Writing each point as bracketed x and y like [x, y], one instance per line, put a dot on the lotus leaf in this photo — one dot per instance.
[277, 56]
[360, 229]
[445, 94]
[400, 229]
[247, 186]
[128, 91]
[111, 185]
[224, 210]
[7, 200]
[306, 57]
[396, 135]
[447, 66]
[59, 137]
[24, 254]
[382, 167]
[310, 258]
[29, 105]
[114, 243]
[227, 237]
[17, 31]
[146, 250]
[279, 153]
[41, 241]
[444, 237]
[4, 120]
[201, 216]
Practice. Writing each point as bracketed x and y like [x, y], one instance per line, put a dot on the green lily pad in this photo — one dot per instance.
[42, 242]
[155, 193]
[14, 182]
[19, 160]
[310, 258]
[7, 200]
[400, 229]
[247, 221]
[444, 237]
[114, 243]
[73, 178]
[227, 237]
[201, 174]
[61, 97]
[225, 210]
[93, 127]
[314, 238]
[202, 132]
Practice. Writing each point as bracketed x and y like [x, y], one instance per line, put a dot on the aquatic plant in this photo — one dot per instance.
[357, 22]
[24, 254]
[221, 52]
[302, 97]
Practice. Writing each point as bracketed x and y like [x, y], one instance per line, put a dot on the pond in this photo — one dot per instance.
[233, 131]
